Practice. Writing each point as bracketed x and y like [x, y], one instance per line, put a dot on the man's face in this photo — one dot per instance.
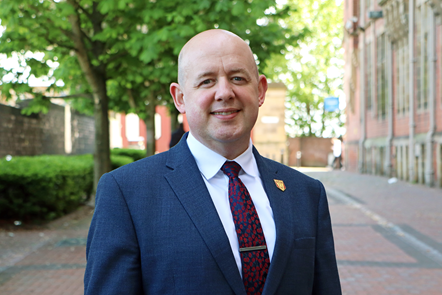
[222, 92]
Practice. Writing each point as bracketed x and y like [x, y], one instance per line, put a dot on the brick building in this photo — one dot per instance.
[393, 72]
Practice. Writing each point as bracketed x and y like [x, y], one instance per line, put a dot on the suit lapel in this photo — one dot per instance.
[279, 201]
[189, 187]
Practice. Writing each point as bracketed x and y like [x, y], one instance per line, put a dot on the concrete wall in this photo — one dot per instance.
[314, 151]
[60, 131]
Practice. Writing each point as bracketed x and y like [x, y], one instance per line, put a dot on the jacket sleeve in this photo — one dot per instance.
[326, 279]
[112, 251]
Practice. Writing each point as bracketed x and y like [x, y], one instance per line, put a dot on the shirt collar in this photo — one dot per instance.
[209, 162]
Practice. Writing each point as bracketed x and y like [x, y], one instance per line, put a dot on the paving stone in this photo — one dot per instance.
[373, 259]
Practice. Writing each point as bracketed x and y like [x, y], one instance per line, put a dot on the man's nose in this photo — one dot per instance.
[224, 90]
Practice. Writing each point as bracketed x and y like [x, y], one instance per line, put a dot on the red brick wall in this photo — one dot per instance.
[351, 156]
[401, 125]
[162, 143]
[376, 127]
[422, 121]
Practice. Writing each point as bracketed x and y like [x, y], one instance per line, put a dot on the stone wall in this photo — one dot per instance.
[37, 134]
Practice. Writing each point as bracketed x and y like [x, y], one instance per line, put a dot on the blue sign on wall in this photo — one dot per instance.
[331, 104]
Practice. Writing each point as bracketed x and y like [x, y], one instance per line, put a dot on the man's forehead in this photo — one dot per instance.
[215, 47]
[213, 66]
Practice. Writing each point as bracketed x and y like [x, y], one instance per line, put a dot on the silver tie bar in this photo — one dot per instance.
[246, 249]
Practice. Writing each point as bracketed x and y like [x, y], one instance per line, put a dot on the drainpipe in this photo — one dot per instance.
[411, 156]
[362, 108]
[389, 55]
[429, 171]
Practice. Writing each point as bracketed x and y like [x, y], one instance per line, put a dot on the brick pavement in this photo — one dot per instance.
[388, 236]
[49, 260]
[388, 241]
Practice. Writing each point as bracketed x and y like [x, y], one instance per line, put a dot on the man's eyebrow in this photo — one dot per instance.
[205, 74]
[241, 71]
[201, 76]
[230, 72]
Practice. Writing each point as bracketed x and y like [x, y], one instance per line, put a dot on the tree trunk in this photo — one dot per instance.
[102, 163]
[150, 128]
[96, 77]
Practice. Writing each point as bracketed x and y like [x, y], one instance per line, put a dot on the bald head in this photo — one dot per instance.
[208, 42]
[219, 90]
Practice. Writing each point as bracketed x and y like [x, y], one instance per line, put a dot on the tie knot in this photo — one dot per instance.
[231, 169]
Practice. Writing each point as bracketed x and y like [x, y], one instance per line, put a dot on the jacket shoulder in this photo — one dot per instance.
[147, 168]
[287, 172]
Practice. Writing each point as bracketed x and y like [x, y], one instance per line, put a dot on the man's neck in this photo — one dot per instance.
[229, 150]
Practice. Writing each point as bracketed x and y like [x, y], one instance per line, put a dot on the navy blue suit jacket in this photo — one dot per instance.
[155, 230]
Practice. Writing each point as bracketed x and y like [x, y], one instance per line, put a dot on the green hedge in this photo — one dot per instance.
[120, 160]
[46, 187]
[132, 153]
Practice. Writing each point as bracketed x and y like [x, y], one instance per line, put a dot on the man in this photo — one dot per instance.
[169, 224]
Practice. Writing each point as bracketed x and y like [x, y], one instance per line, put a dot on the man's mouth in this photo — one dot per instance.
[225, 113]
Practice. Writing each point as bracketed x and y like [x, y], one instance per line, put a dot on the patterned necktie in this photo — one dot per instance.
[252, 245]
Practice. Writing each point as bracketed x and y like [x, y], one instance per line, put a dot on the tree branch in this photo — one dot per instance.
[115, 57]
[83, 56]
[131, 98]
[80, 95]
[69, 34]
[46, 37]
[79, 7]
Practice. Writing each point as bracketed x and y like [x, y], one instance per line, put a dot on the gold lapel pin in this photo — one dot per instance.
[280, 184]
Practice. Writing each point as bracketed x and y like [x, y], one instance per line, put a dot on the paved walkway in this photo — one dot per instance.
[48, 260]
[388, 241]
[388, 236]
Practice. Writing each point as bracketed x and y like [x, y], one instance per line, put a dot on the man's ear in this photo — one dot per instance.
[262, 89]
[178, 97]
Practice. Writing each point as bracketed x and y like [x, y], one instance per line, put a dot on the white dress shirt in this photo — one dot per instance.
[210, 163]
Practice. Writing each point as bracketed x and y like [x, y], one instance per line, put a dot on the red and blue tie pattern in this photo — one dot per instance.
[255, 263]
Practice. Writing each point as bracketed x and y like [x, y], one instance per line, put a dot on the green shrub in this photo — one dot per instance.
[134, 154]
[118, 161]
[46, 187]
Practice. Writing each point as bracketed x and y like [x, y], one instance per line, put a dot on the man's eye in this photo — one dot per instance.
[206, 81]
[238, 79]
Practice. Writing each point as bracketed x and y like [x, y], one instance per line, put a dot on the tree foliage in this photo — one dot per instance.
[119, 54]
[313, 69]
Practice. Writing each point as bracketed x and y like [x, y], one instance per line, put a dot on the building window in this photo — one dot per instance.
[158, 126]
[133, 128]
[406, 77]
[398, 51]
[418, 48]
[402, 64]
[422, 57]
[424, 95]
[381, 77]
[368, 84]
